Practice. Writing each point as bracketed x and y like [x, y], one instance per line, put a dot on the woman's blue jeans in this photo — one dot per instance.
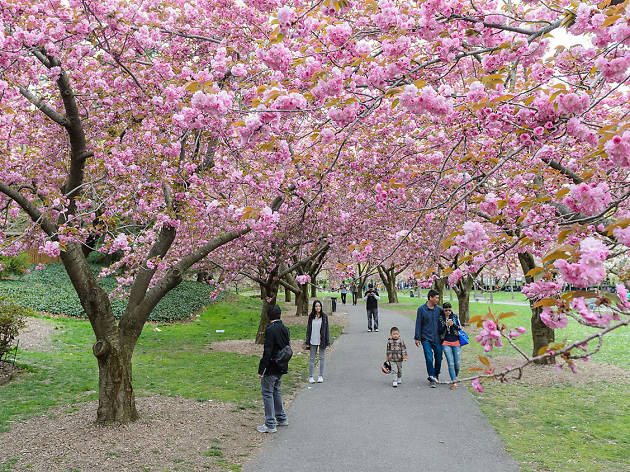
[453, 359]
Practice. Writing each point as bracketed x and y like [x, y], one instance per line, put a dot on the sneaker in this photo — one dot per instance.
[431, 379]
[369, 330]
[453, 386]
[394, 384]
[283, 423]
[320, 379]
[266, 429]
[311, 380]
[433, 384]
[376, 330]
[399, 380]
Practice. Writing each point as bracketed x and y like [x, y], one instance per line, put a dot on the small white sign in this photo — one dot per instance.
[220, 331]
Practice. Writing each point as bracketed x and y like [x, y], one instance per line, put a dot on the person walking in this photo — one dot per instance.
[270, 372]
[371, 304]
[354, 288]
[449, 333]
[344, 292]
[427, 335]
[317, 339]
[396, 353]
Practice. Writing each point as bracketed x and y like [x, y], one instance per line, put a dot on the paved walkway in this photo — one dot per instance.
[357, 422]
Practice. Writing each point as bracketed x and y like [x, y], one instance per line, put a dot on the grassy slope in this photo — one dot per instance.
[173, 361]
[560, 427]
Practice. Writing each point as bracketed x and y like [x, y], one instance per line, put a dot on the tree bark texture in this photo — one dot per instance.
[542, 335]
[388, 277]
[439, 284]
[269, 290]
[462, 290]
[301, 301]
[287, 294]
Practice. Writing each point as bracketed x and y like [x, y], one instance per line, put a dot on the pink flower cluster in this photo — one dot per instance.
[50, 248]
[588, 199]
[622, 235]
[573, 103]
[292, 101]
[490, 205]
[427, 101]
[541, 289]
[339, 34]
[622, 291]
[589, 269]
[554, 319]
[476, 92]
[120, 244]
[618, 150]
[455, 277]
[613, 69]
[216, 104]
[474, 237]
[344, 116]
[303, 279]
[578, 129]
[286, 15]
[277, 57]
[599, 318]
[489, 336]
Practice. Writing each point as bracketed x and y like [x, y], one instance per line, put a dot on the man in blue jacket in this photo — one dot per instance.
[271, 372]
[427, 322]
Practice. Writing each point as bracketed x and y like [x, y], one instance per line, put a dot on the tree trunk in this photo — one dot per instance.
[116, 401]
[542, 335]
[301, 302]
[462, 290]
[287, 295]
[269, 290]
[439, 284]
[388, 277]
[313, 287]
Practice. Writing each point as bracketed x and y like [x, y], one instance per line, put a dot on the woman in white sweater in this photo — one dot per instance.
[317, 339]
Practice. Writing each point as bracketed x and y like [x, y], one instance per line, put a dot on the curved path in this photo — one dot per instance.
[356, 420]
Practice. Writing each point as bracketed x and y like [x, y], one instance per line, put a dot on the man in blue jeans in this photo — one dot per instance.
[427, 321]
[271, 372]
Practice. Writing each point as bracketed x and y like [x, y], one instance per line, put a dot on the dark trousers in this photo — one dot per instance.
[432, 357]
[355, 297]
[343, 298]
[272, 400]
[372, 313]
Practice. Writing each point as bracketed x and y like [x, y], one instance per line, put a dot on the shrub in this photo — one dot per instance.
[17, 265]
[12, 320]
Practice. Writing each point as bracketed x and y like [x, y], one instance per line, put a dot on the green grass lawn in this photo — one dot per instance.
[173, 361]
[561, 427]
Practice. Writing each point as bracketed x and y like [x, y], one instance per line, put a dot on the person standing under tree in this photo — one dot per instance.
[371, 304]
[271, 372]
[317, 339]
[344, 292]
[355, 292]
[427, 335]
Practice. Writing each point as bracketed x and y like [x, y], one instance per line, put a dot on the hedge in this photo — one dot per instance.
[50, 290]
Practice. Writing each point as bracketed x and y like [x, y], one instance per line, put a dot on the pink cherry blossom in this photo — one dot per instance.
[554, 319]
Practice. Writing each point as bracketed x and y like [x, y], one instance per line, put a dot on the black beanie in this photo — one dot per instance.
[274, 312]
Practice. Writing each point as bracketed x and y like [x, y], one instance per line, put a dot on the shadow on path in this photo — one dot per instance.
[356, 420]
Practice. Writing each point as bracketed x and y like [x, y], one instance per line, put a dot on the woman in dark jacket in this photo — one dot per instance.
[448, 328]
[317, 339]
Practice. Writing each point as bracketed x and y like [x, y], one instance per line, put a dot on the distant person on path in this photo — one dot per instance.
[270, 372]
[449, 333]
[344, 292]
[371, 304]
[427, 335]
[355, 292]
[317, 339]
[396, 353]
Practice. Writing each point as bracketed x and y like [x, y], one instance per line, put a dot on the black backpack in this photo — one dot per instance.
[284, 355]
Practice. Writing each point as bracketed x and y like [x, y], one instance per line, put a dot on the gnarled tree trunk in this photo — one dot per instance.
[462, 290]
[287, 294]
[269, 290]
[542, 335]
[439, 284]
[388, 276]
[301, 301]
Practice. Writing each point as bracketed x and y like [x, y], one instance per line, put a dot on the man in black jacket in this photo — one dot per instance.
[271, 372]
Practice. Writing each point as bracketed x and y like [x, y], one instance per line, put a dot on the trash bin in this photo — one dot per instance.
[411, 294]
[334, 303]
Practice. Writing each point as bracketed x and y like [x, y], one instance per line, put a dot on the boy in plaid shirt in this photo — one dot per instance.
[396, 354]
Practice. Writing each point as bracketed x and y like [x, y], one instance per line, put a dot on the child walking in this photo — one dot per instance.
[396, 354]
